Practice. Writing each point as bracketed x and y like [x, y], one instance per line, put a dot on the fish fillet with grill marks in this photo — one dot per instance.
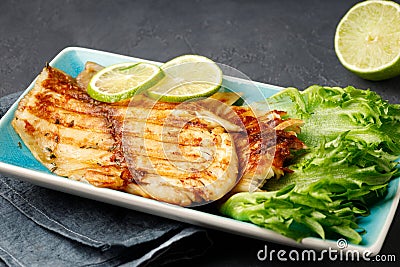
[263, 146]
[171, 152]
[177, 154]
[179, 148]
[270, 141]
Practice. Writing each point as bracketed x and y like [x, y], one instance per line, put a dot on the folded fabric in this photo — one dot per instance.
[42, 227]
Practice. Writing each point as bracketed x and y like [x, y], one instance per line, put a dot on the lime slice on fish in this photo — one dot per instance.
[367, 40]
[187, 77]
[121, 81]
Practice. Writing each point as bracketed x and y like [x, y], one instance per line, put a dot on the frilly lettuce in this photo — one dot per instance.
[353, 139]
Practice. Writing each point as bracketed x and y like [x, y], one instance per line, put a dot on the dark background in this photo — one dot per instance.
[285, 43]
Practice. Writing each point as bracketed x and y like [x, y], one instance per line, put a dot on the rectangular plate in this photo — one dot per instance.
[18, 162]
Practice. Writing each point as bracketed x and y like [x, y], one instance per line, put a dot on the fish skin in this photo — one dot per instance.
[268, 145]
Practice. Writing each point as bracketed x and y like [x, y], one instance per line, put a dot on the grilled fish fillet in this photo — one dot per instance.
[183, 154]
[175, 148]
[270, 141]
[174, 153]
[263, 145]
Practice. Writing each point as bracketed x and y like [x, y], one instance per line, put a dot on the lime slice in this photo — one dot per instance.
[367, 40]
[121, 81]
[187, 77]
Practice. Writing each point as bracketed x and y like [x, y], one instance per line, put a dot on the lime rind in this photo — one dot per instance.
[121, 81]
[189, 58]
[377, 70]
[176, 98]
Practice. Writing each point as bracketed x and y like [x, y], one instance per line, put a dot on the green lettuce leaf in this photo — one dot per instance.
[353, 139]
[330, 111]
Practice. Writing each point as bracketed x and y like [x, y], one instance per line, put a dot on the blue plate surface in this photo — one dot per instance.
[16, 160]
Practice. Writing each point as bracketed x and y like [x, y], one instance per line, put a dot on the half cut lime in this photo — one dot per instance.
[367, 40]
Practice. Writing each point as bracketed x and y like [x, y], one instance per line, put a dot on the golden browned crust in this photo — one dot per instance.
[266, 147]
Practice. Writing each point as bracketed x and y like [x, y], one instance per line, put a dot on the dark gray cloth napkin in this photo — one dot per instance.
[42, 227]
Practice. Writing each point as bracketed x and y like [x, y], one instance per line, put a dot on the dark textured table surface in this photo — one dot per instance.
[286, 43]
